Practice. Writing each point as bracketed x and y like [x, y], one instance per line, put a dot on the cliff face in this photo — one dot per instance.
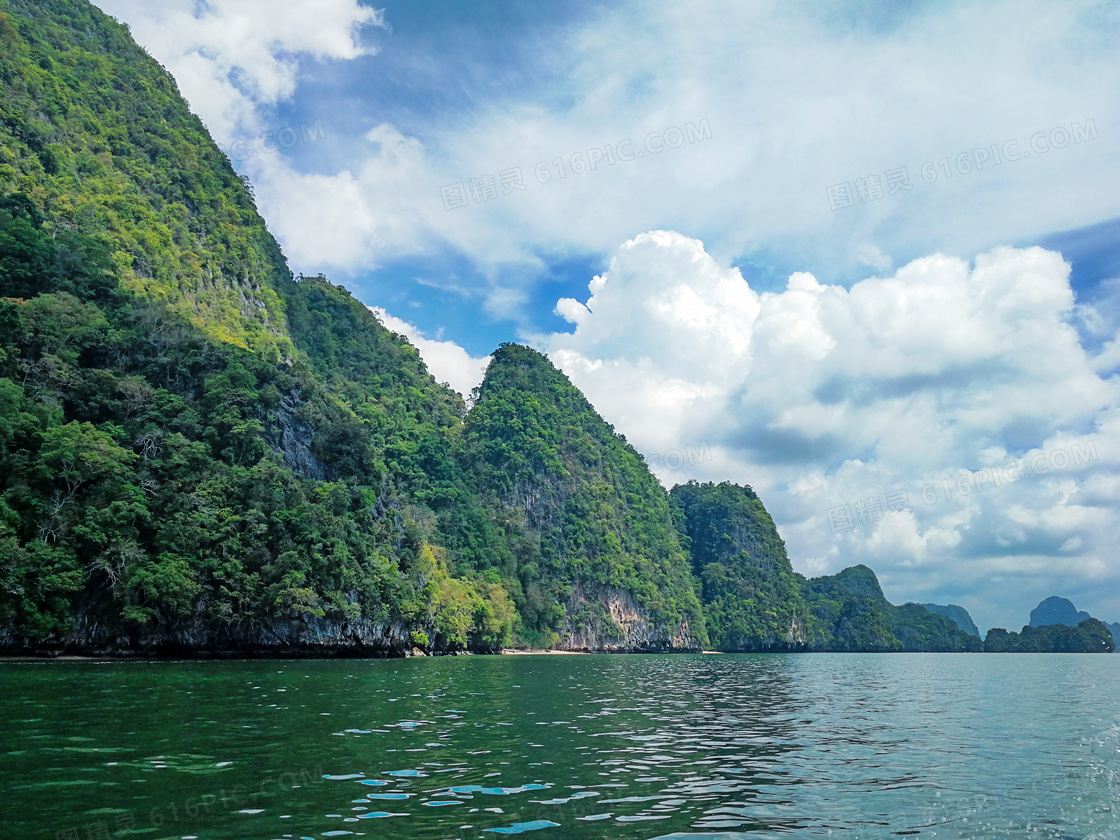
[1055, 610]
[751, 598]
[293, 438]
[958, 615]
[97, 134]
[597, 529]
[91, 635]
[609, 619]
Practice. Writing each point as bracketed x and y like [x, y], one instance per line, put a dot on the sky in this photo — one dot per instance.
[863, 256]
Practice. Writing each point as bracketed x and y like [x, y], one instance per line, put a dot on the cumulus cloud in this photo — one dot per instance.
[833, 402]
[446, 360]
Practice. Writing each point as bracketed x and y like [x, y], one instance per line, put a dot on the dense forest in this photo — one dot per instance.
[200, 452]
[1089, 636]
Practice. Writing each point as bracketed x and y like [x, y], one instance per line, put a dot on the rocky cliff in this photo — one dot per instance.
[751, 598]
[1055, 610]
[91, 635]
[610, 620]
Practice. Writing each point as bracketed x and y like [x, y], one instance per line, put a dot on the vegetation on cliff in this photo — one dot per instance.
[1089, 636]
[590, 517]
[96, 134]
[750, 594]
[850, 613]
[959, 616]
[188, 434]
[150, 474]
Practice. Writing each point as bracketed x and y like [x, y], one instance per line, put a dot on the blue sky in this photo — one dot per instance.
[805, 254]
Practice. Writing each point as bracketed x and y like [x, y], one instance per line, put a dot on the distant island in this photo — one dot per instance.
[202, 454]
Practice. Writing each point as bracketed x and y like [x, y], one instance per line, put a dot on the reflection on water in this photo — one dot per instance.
[683, 747]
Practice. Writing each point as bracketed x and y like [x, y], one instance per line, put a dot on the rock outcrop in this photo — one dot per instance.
[1055, 610]
[610, 619]
[307, 636]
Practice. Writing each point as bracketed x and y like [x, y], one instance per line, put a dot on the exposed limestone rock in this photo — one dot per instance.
[609, 619]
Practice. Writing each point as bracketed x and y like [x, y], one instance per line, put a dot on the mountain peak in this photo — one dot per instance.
[1057, 610]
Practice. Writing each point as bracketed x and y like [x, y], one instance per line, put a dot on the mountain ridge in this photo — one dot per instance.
[202, 454]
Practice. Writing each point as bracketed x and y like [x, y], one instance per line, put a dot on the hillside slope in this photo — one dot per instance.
[96, 134]
[603, 542]
[200, 452]
[850, 613]
[958, 615]
[751, 597]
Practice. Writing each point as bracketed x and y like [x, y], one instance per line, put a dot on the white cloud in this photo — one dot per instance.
[821, 396]
[231, 57]
[446, 360]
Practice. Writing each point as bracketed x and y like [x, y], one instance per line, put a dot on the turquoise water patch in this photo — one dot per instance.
[345, 778]
[377, 815]
[521, 828]
[497, 791]
[388, 795]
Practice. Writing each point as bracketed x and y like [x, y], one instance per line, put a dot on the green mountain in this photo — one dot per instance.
[959, 616]
[97, 135]
[1057, 610]
[751, 596]
[1089, 636]
[850, 613]
[199, 451]
[753, 600]
[595, 528]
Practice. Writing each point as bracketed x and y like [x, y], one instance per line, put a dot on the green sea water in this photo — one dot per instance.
[718, 747]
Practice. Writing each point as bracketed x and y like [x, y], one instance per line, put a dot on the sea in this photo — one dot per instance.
[675, 747]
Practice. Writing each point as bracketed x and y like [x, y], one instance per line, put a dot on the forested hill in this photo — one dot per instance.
[200, 453]
[751, 596]
[599, 528]
[196, 449]
[96, 134]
